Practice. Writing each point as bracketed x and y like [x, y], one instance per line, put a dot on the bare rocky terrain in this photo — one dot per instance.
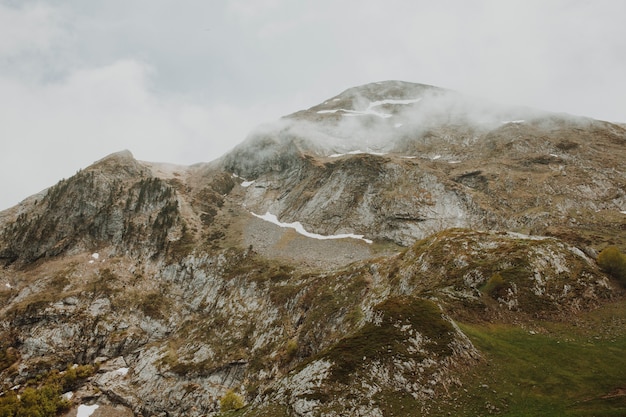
[226, 288]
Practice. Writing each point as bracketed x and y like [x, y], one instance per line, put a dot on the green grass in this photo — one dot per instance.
[564, 372]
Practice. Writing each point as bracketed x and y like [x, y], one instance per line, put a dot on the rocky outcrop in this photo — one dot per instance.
[400, 216]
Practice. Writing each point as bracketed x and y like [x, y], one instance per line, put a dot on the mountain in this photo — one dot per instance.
[399, 249]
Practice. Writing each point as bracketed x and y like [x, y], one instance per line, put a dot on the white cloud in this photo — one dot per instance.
[32, 27]
[184, 82]
[52, 130]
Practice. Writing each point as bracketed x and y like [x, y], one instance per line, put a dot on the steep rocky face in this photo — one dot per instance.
[428, 159]
[320, 344]
[114, 202]
[330, 265]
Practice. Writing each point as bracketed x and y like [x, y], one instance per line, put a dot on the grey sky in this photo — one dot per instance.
[184, 82]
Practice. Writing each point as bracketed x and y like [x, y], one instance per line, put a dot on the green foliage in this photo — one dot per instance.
[614, 262]
[566, 371]
[42, 396]
[231, 401]
[149, 191]
[73, 377]
[9, 404]
[45, 401]
[292, 348]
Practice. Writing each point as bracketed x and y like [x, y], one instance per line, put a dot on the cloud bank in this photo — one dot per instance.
[185, 82]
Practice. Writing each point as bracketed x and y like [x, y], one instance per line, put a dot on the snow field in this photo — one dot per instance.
[297, 226]
[86, 410]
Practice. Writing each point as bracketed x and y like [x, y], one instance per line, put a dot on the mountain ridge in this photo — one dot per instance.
[180, 289]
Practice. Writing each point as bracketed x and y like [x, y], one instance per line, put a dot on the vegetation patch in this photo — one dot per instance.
[385, 338]
[560, 371]
[495, 286]
[41, 397]
[231, 401]
[397, 403]
[613, 262]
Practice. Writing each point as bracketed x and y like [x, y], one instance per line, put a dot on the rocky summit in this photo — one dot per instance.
[397, 250]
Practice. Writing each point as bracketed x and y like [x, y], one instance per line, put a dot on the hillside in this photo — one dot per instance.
[396, 250]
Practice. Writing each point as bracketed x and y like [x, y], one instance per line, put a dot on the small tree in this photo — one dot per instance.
[231, 401]
[613, 262]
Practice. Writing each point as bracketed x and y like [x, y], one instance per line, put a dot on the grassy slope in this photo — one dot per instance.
[561, 369]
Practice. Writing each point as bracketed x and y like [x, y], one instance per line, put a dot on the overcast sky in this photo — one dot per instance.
[185, 81]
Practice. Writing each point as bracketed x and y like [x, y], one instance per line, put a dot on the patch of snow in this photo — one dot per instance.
[580, 253]
[397, 125]
[393, 101]
[91, 261]
[554, 155]
[67, 396]
[623, 212]
[297, 226]
[357, 152]
[246, 184]
[523, 236]
[434, 158]
[336, 99]
[409, 157]
[454, 162]
[121, 371]
[369, 111]
[86, 410]
[8, 285]
[95, 255]
[513, 121]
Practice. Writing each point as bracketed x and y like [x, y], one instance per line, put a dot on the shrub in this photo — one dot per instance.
[613, 262]
[231, 401]
[292, 348]
[494, 285]
[41, 402]
[74, 376]
[42, 398]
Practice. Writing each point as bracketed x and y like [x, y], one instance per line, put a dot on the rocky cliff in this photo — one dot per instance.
[359, 258]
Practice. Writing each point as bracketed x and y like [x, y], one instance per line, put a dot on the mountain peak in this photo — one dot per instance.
[369, 99]
[322, 267]
[123, 155]
[119, 165]
[380, 117]
[390, 89]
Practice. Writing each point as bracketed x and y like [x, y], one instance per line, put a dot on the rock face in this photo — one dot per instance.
[163, 281]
